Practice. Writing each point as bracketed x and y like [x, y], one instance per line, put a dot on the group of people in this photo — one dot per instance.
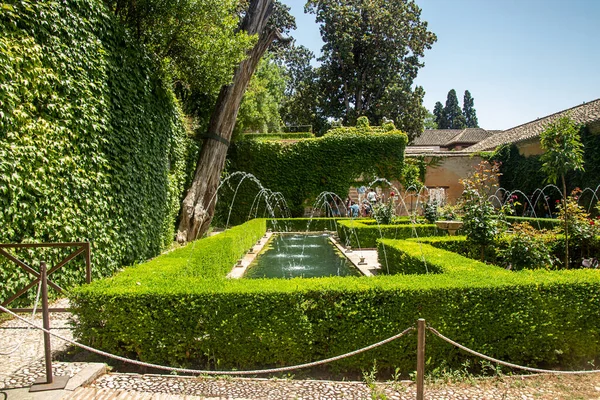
[362, 208]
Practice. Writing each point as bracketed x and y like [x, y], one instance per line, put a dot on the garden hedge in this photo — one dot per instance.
[302, 170]
[93, 144]
[303, 224]
[537, 318]
[361, 235]
[278, 136]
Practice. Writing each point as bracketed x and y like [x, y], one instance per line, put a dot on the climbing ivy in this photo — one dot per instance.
[92, 143]
[303, 170]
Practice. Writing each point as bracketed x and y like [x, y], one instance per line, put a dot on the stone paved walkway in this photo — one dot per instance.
[22, 367]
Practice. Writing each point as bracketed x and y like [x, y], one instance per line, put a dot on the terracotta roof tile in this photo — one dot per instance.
[586, 114]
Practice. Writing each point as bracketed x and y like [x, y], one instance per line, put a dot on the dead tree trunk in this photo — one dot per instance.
[198, 206]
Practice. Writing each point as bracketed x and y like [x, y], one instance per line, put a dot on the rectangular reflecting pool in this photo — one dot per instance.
[300, 255]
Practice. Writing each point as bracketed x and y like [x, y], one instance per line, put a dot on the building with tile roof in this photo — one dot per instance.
[435, 140]
[526, 136]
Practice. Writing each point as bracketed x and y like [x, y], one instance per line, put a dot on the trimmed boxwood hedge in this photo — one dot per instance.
[303, 224]
[278, 136]
[361, 235]
[179, 309]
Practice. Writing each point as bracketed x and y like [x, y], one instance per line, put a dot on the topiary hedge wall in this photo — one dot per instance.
[92, 141]
[303, 170]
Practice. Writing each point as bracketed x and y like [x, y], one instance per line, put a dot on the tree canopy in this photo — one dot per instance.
[371, 57]
[469, 111]
[451, 116]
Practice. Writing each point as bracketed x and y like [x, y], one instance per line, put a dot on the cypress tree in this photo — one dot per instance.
[469, 111]
[452, 112]
[438, 113]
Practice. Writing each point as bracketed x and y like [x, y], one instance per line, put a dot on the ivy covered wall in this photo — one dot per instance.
[92, 142]
[524, 173]
[302, 170]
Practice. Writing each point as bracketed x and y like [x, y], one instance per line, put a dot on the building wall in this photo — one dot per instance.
[448, 174]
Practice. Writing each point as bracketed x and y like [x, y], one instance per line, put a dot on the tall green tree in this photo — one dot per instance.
[469, 110]
[196, 42]
[563, 152]
[453, 116]
[438, 113]
[259, 111]
[371, 57]
[429, 122]
[301, 105]
[267, 20]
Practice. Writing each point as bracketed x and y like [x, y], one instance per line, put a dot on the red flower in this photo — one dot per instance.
[592, 222]
[557, 201]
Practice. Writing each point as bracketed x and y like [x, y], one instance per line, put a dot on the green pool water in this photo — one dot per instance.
[300, 255]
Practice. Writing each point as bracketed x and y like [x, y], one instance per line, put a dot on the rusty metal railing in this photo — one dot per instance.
[80, 248]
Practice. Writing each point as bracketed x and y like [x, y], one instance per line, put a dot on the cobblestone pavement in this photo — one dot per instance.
[26, 363]
[157, 387]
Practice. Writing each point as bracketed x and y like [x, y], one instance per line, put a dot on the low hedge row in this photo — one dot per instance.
[539, 317]
[303, 224]
[179, 309]
[279, 136]
[361, 235]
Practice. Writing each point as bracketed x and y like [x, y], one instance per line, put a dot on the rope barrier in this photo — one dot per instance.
[208, 372]
[507, 364]
[35, 305]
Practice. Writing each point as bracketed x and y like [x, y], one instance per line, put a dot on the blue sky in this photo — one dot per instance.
[520, 59]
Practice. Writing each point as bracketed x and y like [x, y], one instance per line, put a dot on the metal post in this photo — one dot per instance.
[88, 263]
[46, 321]
[420, 358]
[50, 383]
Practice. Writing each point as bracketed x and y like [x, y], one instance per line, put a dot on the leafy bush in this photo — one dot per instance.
[527, 248]
[384, 213]
[93, 145]
[482, 223]
[430, 211]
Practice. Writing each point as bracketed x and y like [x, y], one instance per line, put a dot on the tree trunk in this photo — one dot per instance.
[566, 223]
[198, 206]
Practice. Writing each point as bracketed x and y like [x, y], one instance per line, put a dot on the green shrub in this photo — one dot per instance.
[93, 145]
[537, 318]
[527, 248]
